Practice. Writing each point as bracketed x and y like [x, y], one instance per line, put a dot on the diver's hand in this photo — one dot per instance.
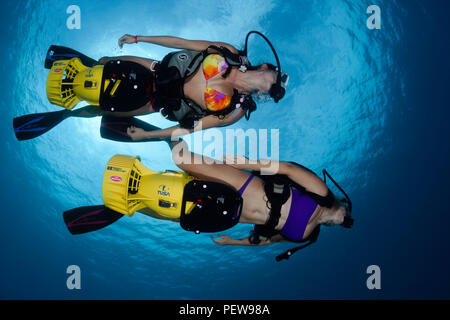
[136, 134]
[126, 39]
[224, 240]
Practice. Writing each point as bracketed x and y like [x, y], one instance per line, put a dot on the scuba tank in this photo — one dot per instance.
[70, 82]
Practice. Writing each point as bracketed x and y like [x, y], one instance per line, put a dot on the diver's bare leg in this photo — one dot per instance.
[206, 168]
[148, 63]
[94, 111]
[146, 109]
[86, 112]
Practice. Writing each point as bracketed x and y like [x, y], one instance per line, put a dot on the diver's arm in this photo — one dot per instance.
[175, 42]
[303, 177]
[212, 121]
[176, 131]
[243, 163]
[226, 240]
[138, 134]
[231, 118]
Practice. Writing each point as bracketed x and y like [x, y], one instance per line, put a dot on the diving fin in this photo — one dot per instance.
[33, 125]
[90, 218]
[55, 53]
[115, 128]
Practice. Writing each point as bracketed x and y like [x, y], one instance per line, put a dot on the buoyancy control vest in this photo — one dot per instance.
[125, 86]
[173, 71]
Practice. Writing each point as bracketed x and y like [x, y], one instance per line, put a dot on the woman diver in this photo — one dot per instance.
[207, 84]
[289, 205]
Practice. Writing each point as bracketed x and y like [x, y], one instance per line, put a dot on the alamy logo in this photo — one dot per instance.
[74, 280]
[374, 21]
[374, 280]
[74, 20]
[252, 143]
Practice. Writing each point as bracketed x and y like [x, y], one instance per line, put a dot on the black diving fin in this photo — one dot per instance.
[112, 128]
[115, 128]
[33, 125]
[90, 218]
[56, 53]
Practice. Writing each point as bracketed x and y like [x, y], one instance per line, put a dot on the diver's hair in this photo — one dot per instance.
[254, 84]
[336, 205]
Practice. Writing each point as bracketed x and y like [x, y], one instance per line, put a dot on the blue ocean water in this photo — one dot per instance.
[371, 106]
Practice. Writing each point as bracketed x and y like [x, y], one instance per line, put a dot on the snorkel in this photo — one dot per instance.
[278, 89]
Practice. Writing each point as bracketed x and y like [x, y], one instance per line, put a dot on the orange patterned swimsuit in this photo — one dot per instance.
[214, 64]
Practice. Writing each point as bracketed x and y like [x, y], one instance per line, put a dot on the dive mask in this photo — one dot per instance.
[278, 89]
[348, 220]
[276, 92]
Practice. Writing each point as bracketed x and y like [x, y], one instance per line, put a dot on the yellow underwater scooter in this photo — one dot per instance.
[119, 85]
[129, 186]
[70, 82]
[116, 86]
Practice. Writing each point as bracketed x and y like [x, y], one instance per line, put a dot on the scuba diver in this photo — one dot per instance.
[288, 206]
[207, 84]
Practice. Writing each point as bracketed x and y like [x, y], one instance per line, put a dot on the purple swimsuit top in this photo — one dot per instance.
[302, 208]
